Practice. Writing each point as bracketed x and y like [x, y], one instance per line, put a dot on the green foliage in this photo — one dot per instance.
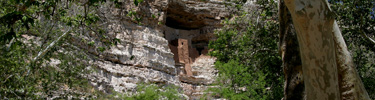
[247, 56]
[22, 80]
[25, 77]
[151, 92]
[14, 84]
[91, 43]
[239, 82]
[136, 2]
[101, 49]
[133, 15]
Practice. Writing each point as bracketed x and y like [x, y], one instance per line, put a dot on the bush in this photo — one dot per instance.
[237, 82]
[247, 58]
[151, 92]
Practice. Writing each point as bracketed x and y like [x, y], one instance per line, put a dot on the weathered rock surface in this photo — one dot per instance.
[167, 46]
[204, 74]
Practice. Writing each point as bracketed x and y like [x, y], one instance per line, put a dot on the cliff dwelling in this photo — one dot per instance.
[188, 34]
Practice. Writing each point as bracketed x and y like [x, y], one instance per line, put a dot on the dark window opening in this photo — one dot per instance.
[174, 42]
[200, 50]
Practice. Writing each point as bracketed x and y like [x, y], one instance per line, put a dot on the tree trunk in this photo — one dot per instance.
[351, 86]
[313, 21]
[289, 50]
[328, 71]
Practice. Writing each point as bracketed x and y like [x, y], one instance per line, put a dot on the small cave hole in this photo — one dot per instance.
[200, 49]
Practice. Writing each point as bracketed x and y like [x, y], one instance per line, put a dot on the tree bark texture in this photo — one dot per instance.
[313, 21]
[328, 69]
[351, 86]
[288, 48]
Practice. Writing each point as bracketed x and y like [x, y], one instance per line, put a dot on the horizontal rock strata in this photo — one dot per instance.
[133, 51]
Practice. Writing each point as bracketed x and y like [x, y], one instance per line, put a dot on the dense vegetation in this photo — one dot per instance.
[148, 92]
[247, 56]
[27, 69]
[249, 65]
[246, 50]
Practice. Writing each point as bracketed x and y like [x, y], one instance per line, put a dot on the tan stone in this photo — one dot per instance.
[183, 53]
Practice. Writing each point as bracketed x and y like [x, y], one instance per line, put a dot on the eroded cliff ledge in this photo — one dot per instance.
[168, 46]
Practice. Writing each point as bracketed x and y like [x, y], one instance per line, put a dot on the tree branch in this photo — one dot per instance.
[41, 53]
[367, 37]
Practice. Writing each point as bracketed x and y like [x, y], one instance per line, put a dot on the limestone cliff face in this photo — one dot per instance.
[158, 41]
